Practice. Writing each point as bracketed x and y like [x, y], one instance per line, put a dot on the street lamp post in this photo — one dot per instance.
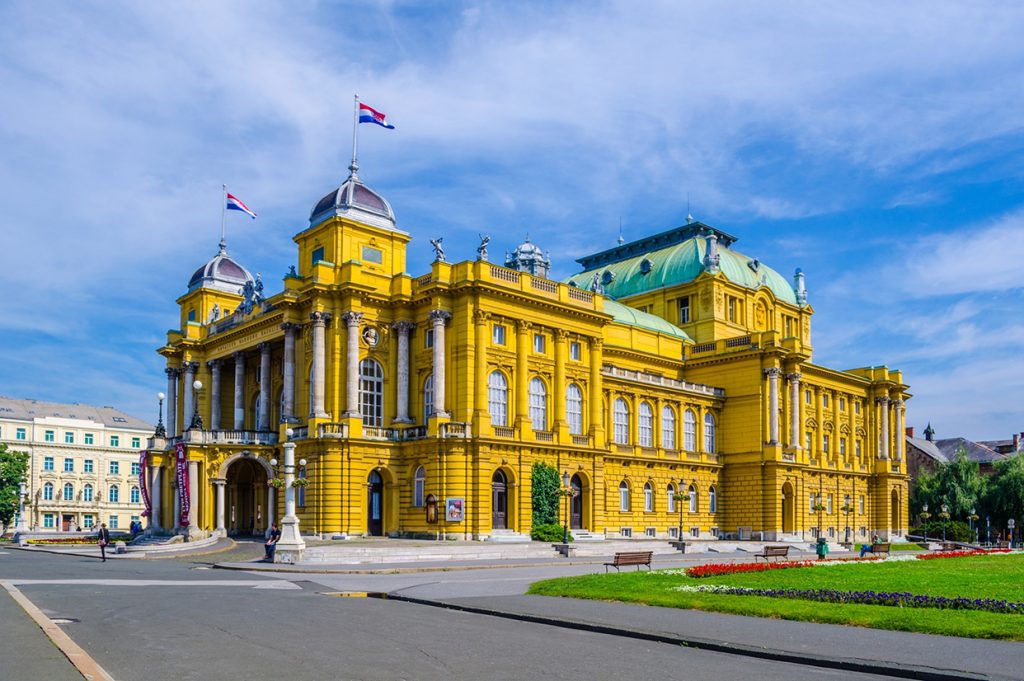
[566, 492]
[679, 497]
[22, 493]
[160, 430]
[973, 517]
[291, 545]
[847, 509]
[988, 530]
[819, 507]
[925, 515]
[197, 420]
[945, 520]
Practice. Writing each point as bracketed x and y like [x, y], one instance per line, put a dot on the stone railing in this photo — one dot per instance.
[663, 381]
[226, 437]
[378, 433]
[504, 431]
[543, 436]
[581, 440]
[456, 429]
[332, 431]
[414, 433]
[300, 433]
[504, 274]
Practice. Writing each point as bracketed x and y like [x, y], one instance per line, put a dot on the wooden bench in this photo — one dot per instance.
[950, 546]
[637, 558]
[772, 552]
[881, 549]
[1001, 545]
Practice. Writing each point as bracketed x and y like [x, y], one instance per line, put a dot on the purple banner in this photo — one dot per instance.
[144, 482]
[183, 495]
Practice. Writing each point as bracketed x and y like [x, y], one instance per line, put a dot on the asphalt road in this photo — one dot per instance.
[168, 620]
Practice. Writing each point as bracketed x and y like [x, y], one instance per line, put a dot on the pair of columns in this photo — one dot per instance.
[219, 485]
[890, 410]
[773, 374]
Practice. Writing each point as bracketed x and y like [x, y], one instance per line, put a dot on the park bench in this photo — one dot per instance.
[1001, 545]
[637, 558]
[950, 546]
[772, 552]
[881, 549]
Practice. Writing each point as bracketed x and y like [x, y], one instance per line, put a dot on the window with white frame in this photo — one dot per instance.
[695, 532]
[135, 468]
[47, 463]
[860, 505]
[857, 448]
[684, 310]
[115, 440]
[574, 351]
[112, 522]
[257, 398]
[538, 343]
[136, 443]
[87, 521]
[48, 436]
[645, 425]
[418, 486]
[709, 434]
[620, 421]
[69, 437]
[856, 407]
[668, 428]
[428, 338]
[826, 442]
[574, 409]
[114, 468]
[692, 493]
[650, 532]
[538, 404]
[19, 434]
[625, 531]
[48, 521]
[87, 466]
[842, 446]
[113, 494]
[497, 398]
[48, 492]
[712, 500]
[428, 398]
[69, 465]
[648, 497]
[809, 442]
[689, 431]
[371, 393]
[69, 491]
[842, 404]
[134, 495]
[498, 334]
[623, 496]
[811, 503]
[87, 492]
[670, 498]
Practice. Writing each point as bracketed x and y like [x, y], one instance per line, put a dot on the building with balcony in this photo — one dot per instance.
[83, 465]
[671, 379]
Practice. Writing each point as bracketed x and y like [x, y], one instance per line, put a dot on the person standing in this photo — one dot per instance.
[271, 544]
[102, 539]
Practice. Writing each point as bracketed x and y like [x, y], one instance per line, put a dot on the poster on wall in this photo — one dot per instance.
[455, 509]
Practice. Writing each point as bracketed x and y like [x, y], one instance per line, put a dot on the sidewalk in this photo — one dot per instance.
[28, 652]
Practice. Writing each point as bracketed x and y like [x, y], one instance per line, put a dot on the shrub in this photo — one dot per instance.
[544, 485]
[549, 532]
[955, 530]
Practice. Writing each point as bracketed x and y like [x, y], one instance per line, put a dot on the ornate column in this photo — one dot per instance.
[352, 320]
[218, 486]
[239, 421]
[596, 396]
[558, 389]
[883, 449]
[901, 429]
[189, 394]
[154, 497]
[438, 318]
[172, 401]
[271, 509]
[482, 320]
[794, 410]
[773, 404]
[319, 322]
[214, 365]
[402, 388]
[265, 398]
[288, 392]
[522, 373]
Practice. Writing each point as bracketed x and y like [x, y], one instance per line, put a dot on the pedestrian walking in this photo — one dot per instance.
[102, 539]
[271, 544]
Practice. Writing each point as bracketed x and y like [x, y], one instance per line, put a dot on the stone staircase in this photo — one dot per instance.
[508, 537]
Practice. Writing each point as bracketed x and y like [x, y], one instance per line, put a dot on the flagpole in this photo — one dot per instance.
[223, 212]
[355, 135]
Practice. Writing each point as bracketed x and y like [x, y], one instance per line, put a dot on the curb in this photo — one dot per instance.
[256, 567]
[890, 669]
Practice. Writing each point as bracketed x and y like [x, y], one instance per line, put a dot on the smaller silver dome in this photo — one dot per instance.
[529, 257]
[221, 272]
[354, 199]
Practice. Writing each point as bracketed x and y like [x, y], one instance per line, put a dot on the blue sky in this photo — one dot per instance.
[875, 145]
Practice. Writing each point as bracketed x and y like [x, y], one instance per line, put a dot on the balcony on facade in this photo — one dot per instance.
[661, 381]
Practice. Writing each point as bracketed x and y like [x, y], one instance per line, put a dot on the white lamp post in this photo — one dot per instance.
[22, 493]
[291, 544]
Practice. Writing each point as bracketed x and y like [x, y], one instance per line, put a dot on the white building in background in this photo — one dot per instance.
[84, 463]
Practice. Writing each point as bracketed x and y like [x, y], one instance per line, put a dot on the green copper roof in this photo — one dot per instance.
[623, 314]
[676, 263]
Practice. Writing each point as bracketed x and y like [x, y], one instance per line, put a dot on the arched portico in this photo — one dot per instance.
[245, 501]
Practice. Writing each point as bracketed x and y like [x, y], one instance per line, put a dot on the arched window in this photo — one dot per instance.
[620, 419]
[371, 393]
[692, 493]
[69, 491]
[645, 425]
[48, 492]
[114, 494]
[418, 486]
[709, 433]
[648, 497]
[87, 493]
[670, 498]
[712, 500]
[574, 409]
[135, 495]
[428, 398]
[668, 428]
[623, 496]
[497, 398]
[689, 431]
[538, 404]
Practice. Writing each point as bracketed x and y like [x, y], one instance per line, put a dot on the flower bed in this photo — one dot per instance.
[960, 554]
[894, 599]
[64, 540]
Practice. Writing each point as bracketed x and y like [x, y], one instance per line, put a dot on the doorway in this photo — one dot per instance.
[67, 522]
[246, 495]
[788, 500]
[576, 510]
[894, 523]
[499, 501]
[375, 506]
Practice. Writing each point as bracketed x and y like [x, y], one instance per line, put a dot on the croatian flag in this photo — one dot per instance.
[235, 203]
[368, 114]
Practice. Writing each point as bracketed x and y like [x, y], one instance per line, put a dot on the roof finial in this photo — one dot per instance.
[621, 239]
[689, 215]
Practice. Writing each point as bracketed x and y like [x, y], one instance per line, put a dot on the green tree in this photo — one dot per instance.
[958, 484]
[1005, 498]
[545, 485]
[13, 471]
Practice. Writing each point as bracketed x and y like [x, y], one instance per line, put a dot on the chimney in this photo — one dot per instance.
[910, 431]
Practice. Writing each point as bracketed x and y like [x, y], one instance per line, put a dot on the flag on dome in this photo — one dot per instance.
[367, 114]
[235, 203]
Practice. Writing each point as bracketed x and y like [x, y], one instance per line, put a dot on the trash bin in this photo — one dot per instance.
[822, 548]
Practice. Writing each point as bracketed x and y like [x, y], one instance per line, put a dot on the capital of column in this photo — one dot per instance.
[439, 317]
[219, 482]
[214, 363]
[352, 318]
[561, 335]
[190, 366]
[263, 347]
[172, 372]
[882, 400]
[522, 326]
[793, 377]
[772, 372]
[596, 343]
[289, 327]
[898, 403]
[481, 316]
[239, 356]
[319, 318]
[403, 327]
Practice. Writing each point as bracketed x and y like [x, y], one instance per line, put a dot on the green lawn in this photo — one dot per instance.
[997, 576]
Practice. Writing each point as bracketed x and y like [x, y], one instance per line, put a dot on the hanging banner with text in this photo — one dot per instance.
[144, 483]
[183, 495]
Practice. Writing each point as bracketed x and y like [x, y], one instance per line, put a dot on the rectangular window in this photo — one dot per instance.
[112, 522]
[650, 532]
[317, 255]
[69, 438]
[642, 308]
[48, 520]
[88, 438]
[858, 449]
[428, 339]
[48, 436]
[825, 441]
[788, 322]
[673, 533]
[135, 468]
[808, 442]
[810, 503]
[695, 532]
[115, 441]
[807, 397]
[733, 305]
[136, 443]
[625, 531]
[88, 466]
[684, 310]
[498, 334]
[538, 343]
[860, 505]
[373, 255]
[87, 521]
[574, 351]
[842, 446]
[828, 504]
[824, 400]
[69, 465]
[115, 467]
[842, 404]
[19, 434]
[856, 407]
[48, 463]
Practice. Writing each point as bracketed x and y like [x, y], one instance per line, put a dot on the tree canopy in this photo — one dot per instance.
[13, 471]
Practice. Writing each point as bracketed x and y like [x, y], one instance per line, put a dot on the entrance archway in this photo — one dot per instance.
[895, 519]
[246, 483]
[375, 505]
[499, 501]
[576, 512]
[788, 502]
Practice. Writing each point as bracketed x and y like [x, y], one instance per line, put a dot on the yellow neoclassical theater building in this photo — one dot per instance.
[671, 382]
